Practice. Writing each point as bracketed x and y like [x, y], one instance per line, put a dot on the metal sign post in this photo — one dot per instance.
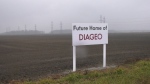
[104, 55]
[74, 58]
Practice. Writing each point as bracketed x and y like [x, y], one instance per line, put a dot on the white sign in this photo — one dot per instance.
[89, 33]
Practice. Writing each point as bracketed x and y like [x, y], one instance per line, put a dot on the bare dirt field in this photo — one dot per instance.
[29, 57]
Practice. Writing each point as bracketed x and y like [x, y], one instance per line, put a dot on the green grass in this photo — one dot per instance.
[135, 73]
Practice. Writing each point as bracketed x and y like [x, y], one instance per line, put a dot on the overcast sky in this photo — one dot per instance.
[119, 14]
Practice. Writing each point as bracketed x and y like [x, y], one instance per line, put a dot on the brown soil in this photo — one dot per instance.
[29, 57]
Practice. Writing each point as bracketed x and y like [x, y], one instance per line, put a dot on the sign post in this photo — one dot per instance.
[74, 58]
[104, 55]
[89, 34]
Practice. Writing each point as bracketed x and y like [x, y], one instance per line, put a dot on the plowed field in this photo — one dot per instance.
[30, 57]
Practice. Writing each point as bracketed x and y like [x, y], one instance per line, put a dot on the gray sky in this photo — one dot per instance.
[119, 14]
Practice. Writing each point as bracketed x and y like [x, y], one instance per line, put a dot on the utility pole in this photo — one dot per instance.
[60, 27]
[52, 27]
[35, 27]
[6, 29]
[104, 19]
[25, 28]
[18, 28]
[101, 19]
[9, 29]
